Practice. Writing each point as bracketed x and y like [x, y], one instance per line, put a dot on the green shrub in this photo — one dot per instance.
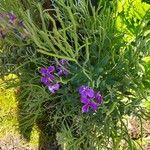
[99, 56]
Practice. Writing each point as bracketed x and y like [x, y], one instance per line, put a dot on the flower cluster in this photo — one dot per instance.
[9, 22]
[90, 98]
[12, 19]
[48, 76]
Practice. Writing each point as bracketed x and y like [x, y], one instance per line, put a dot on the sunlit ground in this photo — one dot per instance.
[9, 133]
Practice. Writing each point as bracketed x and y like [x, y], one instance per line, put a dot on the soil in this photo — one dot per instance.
[14, 142]
[134, 127]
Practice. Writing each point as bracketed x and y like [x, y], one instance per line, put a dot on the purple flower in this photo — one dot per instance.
[86, 91]
[53, 88]
[63, 62]
[20, 23]
[51, 77]
[51, 69]
[62, 68]
[48, 78]
[62, 71]
[47, 71]
[88, 104]
[47, 75]
[98, 97]
[89, 98]
[44, 80]
[43, 71]
[12, 18]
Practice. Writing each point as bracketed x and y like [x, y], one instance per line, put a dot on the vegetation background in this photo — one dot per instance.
[107, 45]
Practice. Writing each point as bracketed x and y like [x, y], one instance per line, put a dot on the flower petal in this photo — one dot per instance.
[43, 71]
[56, 86]
[51, 77]
[84, 100]
[90, 92]
[65, 72]
[51, 89]
[86, 91]
[12, 18]
[63, 62]
[44, 80]
[82, 89]
[98, 98]
[85, 108]
[93, 106]
[51, 69]
[21, 23]
[60, 72]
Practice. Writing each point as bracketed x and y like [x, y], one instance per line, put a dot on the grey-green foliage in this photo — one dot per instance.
[78, 30]
[99, 56]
